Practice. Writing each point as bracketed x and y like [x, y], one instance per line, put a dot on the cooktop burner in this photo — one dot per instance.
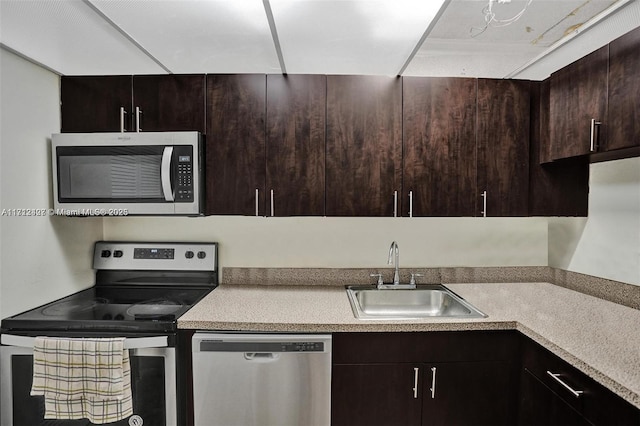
[72, 306]
[156, 308]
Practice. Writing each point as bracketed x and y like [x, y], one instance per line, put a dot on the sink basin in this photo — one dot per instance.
[428, 301]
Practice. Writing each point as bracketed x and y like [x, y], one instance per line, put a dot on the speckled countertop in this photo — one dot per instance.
[599, 337]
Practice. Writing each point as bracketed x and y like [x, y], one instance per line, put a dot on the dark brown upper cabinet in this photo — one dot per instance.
[439, 146]
[139, 103]
[95, 103]
[364, 145]
[503, 147]
[578, 106]
[169, 103]
[558, 188]
[623, 123]
[235, 146]
[296, 119]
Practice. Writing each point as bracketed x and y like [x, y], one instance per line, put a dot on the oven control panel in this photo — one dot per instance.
[114, 255]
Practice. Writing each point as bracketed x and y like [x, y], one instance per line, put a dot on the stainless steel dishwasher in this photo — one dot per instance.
[261, 379]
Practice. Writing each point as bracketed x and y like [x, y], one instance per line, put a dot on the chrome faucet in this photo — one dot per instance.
[394, 257]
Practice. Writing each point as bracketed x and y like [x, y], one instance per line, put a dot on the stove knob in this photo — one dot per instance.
[202, 255]
[117, 253]
[119, 317]
[105, 253]
[189, 254]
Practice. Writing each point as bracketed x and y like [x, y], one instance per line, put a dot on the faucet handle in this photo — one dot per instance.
[380, 282]
[413, 278]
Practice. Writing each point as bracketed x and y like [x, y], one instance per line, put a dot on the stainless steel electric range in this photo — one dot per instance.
[140, 291]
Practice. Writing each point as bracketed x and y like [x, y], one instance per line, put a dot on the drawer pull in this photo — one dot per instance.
[557, 378]
[433, 382]
[416, 372]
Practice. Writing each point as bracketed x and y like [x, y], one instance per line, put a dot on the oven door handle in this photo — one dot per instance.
[165, 173]
[129, 343]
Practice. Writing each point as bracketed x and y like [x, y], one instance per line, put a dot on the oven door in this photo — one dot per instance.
[153, 384]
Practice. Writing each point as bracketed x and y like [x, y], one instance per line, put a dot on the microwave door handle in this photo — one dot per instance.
[165, 173]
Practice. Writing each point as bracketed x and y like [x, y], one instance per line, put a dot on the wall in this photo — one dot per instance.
[607, 243]
[41, 258]
[350, 242]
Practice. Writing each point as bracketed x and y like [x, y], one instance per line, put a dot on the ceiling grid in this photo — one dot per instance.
[369, 37]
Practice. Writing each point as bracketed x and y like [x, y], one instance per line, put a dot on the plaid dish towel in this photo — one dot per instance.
[83, 378]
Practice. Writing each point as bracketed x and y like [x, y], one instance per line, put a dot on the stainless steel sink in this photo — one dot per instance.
[425, 301]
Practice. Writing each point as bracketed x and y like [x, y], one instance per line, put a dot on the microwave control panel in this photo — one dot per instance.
[184, 173]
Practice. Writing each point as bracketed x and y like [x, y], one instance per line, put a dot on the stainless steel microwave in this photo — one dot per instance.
[117, 174]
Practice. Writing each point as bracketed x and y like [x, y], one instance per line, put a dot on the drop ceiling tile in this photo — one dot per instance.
[350, 36]
[205, 36]
[458, 46]
[70, 38]
[459, 58]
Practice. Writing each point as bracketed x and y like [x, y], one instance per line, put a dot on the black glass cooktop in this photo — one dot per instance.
[111, 308]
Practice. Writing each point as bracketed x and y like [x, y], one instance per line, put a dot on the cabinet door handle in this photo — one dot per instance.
[395, 203]
[410, 203]
[557, 378]
[257, 204]
[416, 373]
[272, 203]
[122, 115]
[593, 147]
[433, 382]
[484, 204]
[138, 112]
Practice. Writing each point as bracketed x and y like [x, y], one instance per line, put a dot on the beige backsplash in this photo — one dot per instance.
[614, 291]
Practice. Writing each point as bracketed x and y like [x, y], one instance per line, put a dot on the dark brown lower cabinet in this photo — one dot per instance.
[468, 393]
[430, 394]
[438, 378]
[469, 378]
[554, 393]
[540, 405]
[374, 395]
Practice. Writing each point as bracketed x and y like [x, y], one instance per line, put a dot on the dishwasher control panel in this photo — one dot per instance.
[303, 347]
[227, 346]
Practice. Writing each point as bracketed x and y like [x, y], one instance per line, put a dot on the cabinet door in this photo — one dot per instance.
[559, 188]
[623, 124]
[295, 144]
[540, 406]
[439, 146]
[503, 147]
[235, 149]
[374, 394]
[93, 103]
[169, 102]
[578, 95]
[469, 393]
[364, 145]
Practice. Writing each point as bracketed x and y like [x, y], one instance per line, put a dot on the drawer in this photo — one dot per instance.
[596, 403]
[434, 346]
[566, 381]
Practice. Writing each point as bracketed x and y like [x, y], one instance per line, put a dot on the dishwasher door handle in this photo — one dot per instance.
[261, 356]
